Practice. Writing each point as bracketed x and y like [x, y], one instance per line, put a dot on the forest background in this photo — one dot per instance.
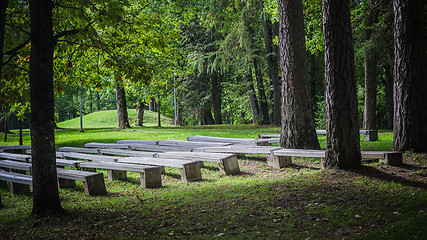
[214, 62]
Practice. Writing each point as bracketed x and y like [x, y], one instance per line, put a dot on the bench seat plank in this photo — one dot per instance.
[127, 153]
[190, 170]
[150, 175]
[228, 163]
[89, 157]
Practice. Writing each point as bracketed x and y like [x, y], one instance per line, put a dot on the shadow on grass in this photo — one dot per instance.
[299, 167]
[372, 172]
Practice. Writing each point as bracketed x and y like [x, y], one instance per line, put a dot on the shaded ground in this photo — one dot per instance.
[299, 202]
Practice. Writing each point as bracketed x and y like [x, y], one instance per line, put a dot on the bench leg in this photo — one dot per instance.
[371, 136]
[17, 188]
[394, 159]
[116, 175]
[191, 172]
[278, 161]
[229, 166]
[94, 185]
[66, 183]
[151, 178]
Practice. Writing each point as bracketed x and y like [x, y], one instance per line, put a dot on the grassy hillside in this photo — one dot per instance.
[108, 119]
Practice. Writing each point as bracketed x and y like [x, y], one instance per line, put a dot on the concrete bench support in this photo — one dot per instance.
[151, 178]
[116, 175]
[278, 161]
[370, 135]
[191, 171]
[94, 185]
[66, 183]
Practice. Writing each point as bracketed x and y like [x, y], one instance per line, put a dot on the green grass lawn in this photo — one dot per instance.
[297, 202]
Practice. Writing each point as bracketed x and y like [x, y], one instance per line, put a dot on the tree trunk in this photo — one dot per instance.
[216, 79]
[298, 125]
[98, 105]
[270, 31]
[151, 105]
[158, 113]
[369, 114]
[3, 7]
[410, 85]
[253, 100]
[141, 107]
[122, 111]
[206, 113]
[265, 118]
[45, 184]
[388, 83]
[342, 121]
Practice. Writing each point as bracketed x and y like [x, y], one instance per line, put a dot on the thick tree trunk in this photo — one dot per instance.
[141, 107]
[270, 31]
[370, 110]
[410, 85]
[206, 115]
[298, 128]
[122, 111]
[45, 184]
[3, 7]
[342, 121]
[216, 79]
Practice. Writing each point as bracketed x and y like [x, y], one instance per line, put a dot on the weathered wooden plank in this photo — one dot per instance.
[238, 149]
[89, 157]
[106, 145]
[15, 156]
[146, 142]
[127, 153]
[190, 170]
[191, 144]
[23, 166]
[228, 163]
[158, 148]
[79, 150]
[198, 138]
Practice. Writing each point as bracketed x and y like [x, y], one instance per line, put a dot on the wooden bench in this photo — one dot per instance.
[150, 175]
[18, 183]
[190, 170]
[89, 157]
[15, 148]
[228, 163]
[238, 150]
[243, 141]
[79, 150]
[283, 157]
[127, 153]
[93, 183]
[107, 145]
[368, 135]
[15, 156]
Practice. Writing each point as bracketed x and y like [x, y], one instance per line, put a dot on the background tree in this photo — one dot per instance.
[342, 125]
[45, 184]
[298, 130]
[370, 109]
[410, 85]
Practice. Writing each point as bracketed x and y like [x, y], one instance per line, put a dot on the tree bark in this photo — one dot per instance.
[298, 125]
[410, 85]
[141, 107]
[122, 111]
[253, 100]
[370, 109]
[216, 79]
[159, 120]
[263, 106]
[342, 122]
[3, 7]
[388, 83]
[270, 31]
[45, 184]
